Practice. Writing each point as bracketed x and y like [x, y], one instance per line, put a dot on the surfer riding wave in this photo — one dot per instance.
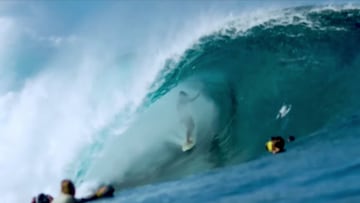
[186, 118]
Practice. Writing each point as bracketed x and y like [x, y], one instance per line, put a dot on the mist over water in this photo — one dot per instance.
[64, 80]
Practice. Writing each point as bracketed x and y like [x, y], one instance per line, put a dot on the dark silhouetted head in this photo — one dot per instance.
[291, 138]
[279, 143]
[42, 198]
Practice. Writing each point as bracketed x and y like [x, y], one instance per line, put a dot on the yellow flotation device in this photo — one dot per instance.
[270, 146]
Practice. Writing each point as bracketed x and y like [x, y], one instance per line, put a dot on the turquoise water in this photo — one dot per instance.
[304, 57]
[312, 170]
[87, 103]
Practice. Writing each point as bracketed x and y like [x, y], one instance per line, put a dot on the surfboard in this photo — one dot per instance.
[284, 110]
[188, 146]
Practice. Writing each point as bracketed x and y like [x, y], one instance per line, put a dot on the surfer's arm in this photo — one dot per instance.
[102, 192]
[194, 98]
[87, 199]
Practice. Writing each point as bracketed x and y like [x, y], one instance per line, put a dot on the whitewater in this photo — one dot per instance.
[97, 103]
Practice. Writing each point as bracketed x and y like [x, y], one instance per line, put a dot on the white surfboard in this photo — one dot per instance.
[284, 110]
[188, 146]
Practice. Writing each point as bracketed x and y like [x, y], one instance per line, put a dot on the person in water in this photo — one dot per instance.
[185, 117]
[67, 194]
[42, 198]
[291, 138]
[277, 144]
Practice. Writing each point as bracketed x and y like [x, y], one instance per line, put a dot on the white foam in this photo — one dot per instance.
[57, 112]
[240, 24]
[50, 118]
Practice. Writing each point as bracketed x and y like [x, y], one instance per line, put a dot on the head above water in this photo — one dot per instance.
[275, 145]
[42, 198]
[291, 138]
[67, 187]
[279, 143]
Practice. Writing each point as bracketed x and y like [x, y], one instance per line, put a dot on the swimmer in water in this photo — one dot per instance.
[277, 144]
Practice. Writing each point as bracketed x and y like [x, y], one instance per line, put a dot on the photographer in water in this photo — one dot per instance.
[67, 194]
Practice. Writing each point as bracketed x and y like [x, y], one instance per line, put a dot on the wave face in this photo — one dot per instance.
[306, 57]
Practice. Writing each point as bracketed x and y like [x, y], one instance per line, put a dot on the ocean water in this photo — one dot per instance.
[311, 171]
[99, 103]
[305, 57]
